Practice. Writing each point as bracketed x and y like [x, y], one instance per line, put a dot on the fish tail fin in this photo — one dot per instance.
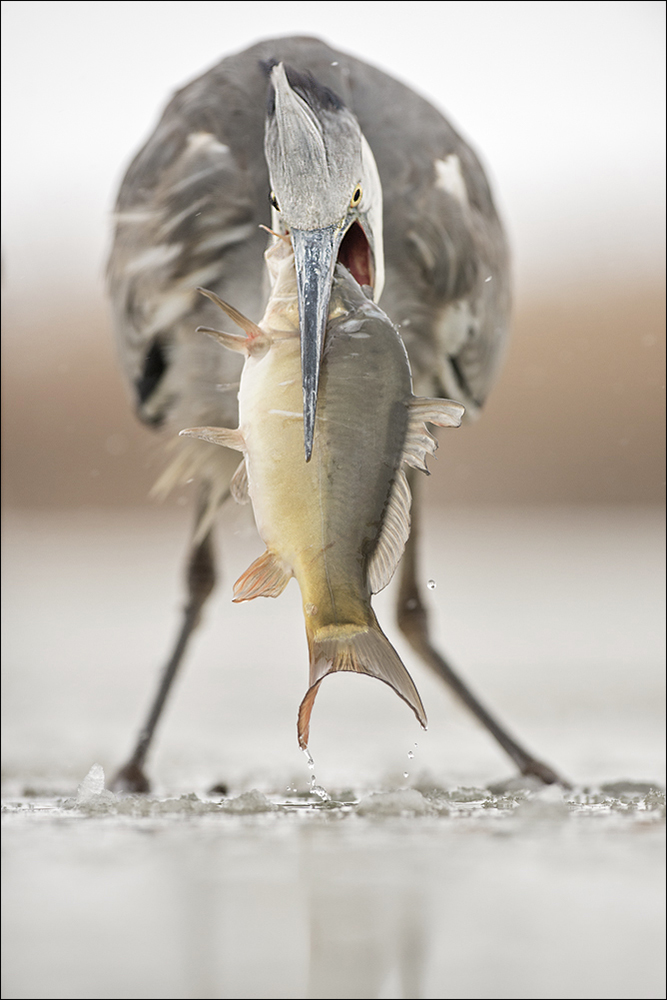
[361, 650]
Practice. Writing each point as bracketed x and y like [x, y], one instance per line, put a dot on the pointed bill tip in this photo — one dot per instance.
[309, 426]
[310, 367]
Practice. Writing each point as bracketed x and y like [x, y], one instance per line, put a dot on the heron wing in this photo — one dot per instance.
[187, 214]
[446, 258]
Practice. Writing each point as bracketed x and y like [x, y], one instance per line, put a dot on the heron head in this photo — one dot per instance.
[326, 193]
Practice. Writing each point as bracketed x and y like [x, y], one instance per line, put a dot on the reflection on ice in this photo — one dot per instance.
[410, 892]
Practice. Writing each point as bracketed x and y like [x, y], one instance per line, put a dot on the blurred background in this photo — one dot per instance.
[564, 104]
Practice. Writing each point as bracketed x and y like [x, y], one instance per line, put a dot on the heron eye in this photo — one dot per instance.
[274, 201]
[356, 197]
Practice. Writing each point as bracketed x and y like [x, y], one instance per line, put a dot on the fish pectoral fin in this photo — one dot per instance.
[419, 442]
[363, 651]
[225, 436]
[232, 341]
[393, 535]
[255, 341]
[266, 577]
[239, 484]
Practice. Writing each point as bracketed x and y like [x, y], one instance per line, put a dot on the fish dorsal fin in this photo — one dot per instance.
[394, 535]
[418, 441]
[266, 577]
[396, 523]
[239, 484]
[225, 436]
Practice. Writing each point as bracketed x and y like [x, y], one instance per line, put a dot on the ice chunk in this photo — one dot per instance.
[516, 784]
[627, 787]
[92, 785]
[250, 802]
[468, 795]
[547, 805]
[406, 801]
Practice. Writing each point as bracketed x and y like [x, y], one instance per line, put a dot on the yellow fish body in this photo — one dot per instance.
[339, 522]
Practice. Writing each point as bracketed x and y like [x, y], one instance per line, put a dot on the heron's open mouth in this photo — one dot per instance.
[355, 254]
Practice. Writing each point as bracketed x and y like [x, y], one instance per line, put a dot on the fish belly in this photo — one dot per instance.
[300, 513]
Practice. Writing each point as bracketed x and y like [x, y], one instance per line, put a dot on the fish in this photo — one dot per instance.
[338, 522]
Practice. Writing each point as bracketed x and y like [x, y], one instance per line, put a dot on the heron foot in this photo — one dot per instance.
[220, 788]
[130, 778]
[546, 774]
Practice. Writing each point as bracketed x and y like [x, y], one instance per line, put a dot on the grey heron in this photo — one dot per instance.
[356, 167]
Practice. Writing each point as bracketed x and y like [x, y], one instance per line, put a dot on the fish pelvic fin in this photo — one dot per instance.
[266, 577]
[225, 436]
[359, 650]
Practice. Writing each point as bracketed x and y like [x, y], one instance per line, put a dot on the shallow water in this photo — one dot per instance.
[429, 871]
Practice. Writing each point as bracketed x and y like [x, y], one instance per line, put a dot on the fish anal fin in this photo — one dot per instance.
[266, 577]
[239, 484]
[393, 536]
[419, 442]
[225, 436]
[362, 651]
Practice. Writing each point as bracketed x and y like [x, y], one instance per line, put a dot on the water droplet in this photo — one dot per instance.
[311, 762]
[320, 792]
[410, 755]
[431, 584]
[490, 278]
[405, 774]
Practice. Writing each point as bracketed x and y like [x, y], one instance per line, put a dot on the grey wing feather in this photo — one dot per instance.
[447, 284]
[446, 257]
[184, 205]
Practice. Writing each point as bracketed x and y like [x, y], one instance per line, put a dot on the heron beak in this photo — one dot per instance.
[315, 252]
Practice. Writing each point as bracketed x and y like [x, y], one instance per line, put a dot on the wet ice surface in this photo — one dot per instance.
[427, 892]
[425, 870]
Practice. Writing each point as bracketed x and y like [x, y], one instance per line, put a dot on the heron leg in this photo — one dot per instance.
[200, 581]
[413, 622]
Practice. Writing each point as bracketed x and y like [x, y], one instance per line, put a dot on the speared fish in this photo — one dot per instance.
[338, 523]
